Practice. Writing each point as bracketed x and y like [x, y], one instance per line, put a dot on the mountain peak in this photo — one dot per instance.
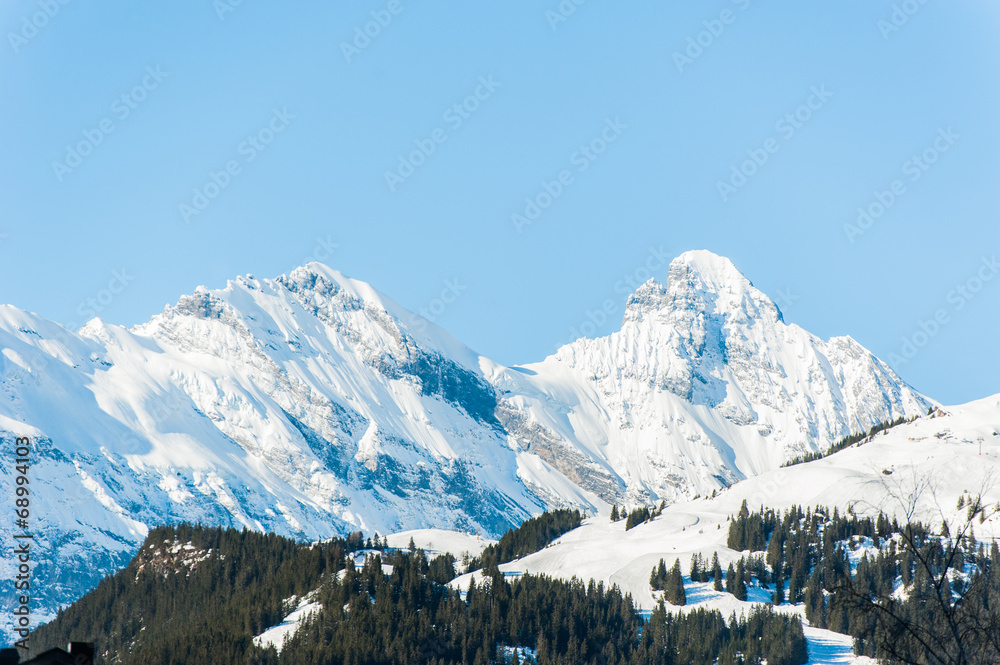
[700, 281]
[712, 283]
[707, 263]
[706, 271]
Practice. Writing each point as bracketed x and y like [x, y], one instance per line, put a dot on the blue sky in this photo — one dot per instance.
[115, 116]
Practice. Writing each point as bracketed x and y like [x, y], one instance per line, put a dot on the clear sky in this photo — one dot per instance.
[147, 148]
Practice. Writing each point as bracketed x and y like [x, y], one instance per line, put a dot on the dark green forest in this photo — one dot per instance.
[912, 596]
[531, 536]
[905, 593]
[203, 603]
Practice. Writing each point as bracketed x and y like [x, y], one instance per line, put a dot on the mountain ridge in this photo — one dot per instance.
[313, 405]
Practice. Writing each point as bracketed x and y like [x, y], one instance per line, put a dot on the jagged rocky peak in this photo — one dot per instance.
[700, 282]
[648, 298]
[321, 280]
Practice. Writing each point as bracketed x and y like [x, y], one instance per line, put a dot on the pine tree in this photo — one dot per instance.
[695, 568]
[716, 571]
[675, 585]
[815, 601]
[658, 578]
[778, 597]
[614, 513]
[740, 585]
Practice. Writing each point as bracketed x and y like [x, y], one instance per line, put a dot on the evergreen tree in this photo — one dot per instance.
[778, 597]
[740, 584]
[675, 585]
[637, 517]
[716, 572]
[244, 580]
[695, 568]
[658, 578]
[815, 600]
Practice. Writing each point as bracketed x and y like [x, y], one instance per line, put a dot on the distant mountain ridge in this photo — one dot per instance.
[312, 405]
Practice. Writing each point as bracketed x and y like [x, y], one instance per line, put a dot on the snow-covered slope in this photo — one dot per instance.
[312, 405]
[917, 470]
[704, 384]
[441, 541]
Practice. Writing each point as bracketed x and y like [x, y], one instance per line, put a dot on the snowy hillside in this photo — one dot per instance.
[919, 469]
[312, 405]
[935, 456]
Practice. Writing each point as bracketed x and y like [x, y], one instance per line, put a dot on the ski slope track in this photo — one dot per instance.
[312, 405]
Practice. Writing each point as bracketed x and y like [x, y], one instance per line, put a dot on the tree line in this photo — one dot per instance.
[531, 536]
[850, 440]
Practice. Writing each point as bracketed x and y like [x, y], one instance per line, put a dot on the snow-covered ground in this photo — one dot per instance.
[439, 541]
[276, 635]
[829, 648]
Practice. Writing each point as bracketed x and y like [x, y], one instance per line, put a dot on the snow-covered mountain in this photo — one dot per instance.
[704, 385]
[311, 405]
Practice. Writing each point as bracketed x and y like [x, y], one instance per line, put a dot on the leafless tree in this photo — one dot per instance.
[965, 625]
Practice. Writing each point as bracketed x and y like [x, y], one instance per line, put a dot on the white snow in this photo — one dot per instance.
[276, 635]
[440, 541]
